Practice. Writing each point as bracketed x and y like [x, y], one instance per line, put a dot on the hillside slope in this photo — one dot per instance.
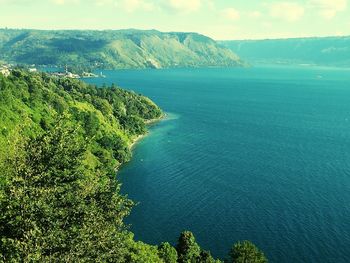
[60, 201]
[60, 142]
[326, 51]
[113, 49]
[111, 117]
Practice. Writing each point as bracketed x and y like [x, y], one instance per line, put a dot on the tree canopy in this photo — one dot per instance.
[60, 143]
[246, 252]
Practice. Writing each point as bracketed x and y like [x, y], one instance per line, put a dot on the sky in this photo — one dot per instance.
[219, 19]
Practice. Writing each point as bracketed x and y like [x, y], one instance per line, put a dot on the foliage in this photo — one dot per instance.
[187, 248]
[60, 142]
[190, 252]
[243, 252]
[111, 118]
[83, 50]
[205, 257]
[140, 252]
[167, 252]
[54, 208]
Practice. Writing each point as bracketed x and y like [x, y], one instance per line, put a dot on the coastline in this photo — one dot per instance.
[147, 122]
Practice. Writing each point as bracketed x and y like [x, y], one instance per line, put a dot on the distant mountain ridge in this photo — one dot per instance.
[323, 51]
[113, 49]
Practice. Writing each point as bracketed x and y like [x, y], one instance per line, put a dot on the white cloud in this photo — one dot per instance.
[103, 2]
[231, 14]
[288, 11]
[63, 2]
[185, 6]
[329, 8]
[210, 4]
[266, 25]
[16, 2]
[255, 14]
[340, 33]
[178, 6]
[59, 2]
[133, 5]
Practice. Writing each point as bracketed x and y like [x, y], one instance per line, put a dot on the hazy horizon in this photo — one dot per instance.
[220, 20]
[154, 29]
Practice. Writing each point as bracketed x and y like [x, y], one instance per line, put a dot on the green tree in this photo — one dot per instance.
[205, 257]
[246, 252]
[167, 252]
[140, 252]
[187, 248]
[59, 198]
[53, 209]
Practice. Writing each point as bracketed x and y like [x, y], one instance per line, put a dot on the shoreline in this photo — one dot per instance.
[147, 122]
[134, 142]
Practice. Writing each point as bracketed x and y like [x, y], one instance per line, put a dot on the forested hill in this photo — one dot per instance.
[113, 49]
[110, 117]
[60, 201]
[323, 51]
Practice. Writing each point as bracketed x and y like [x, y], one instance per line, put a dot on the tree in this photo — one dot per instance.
[246, 252]
[167, 252]
[55, 209]
[205, 257]
[140, 252]
[187, 248]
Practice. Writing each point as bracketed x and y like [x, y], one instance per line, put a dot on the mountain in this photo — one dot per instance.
[113, 49]
[324, 51]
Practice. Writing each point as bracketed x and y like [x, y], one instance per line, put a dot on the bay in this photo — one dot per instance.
[261, 154]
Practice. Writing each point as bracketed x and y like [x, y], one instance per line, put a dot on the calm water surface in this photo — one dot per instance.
[261, 154]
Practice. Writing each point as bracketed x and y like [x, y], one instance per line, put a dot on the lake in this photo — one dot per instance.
[260, 154]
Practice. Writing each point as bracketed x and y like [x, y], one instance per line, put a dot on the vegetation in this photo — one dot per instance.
[246, 251]
[110, 118]
[190, 252]
[60, 143]
[54, 209]
[109, 49]
[167, 253]
[323, 51]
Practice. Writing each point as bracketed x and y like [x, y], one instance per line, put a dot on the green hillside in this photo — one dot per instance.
[113, 49]
[111, 118]
[61, 141]
[322, 51]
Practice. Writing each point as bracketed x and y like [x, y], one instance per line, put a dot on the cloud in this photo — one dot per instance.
[184, 6]
[255, 14]
[266, 25]
[210, 4]
[103, 2]
[329, 8]
[288, 11]
[173, 6]
[63, 2]
[15, 2]
[59, 2]
[134, 5]
[231, 14]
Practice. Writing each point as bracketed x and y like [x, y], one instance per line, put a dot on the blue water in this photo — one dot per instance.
[261, 154]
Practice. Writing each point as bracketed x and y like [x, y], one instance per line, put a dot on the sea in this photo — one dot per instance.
[260, 154]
